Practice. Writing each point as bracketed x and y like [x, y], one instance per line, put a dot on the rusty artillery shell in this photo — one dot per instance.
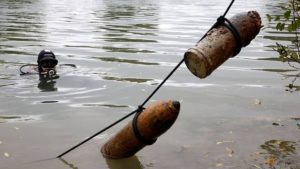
[220, 44]
[151, 123]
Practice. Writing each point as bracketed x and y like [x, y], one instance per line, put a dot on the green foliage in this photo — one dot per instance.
[288, 21]
[286, 54]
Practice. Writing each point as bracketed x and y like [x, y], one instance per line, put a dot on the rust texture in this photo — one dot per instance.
[220, 44]
[151, 123]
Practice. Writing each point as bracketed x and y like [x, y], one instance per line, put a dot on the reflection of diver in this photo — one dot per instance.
[46, 68]
[47, 85]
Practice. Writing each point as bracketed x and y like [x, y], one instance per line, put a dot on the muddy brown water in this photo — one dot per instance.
[241, 116]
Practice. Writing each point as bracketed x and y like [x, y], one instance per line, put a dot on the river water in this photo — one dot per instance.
[242, 116]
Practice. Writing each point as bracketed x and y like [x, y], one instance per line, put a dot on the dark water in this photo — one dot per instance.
[242, 116]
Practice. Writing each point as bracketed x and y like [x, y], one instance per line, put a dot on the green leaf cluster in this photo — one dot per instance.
[286, 53]
[289, 21]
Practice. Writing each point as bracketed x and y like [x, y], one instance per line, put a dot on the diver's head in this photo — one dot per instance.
[46, 63]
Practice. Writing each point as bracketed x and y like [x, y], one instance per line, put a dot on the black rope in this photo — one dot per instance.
[220, 20]
[101, 131]
[36, 68]
[140, 108]
[229, 6]
[224, 21]
[163, 82]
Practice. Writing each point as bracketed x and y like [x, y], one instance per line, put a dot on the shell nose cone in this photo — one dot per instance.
[176, 104]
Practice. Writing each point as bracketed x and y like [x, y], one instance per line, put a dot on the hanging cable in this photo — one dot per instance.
[22, 72]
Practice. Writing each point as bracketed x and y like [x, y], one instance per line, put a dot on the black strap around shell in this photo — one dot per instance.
[222, 20]
[136, 131]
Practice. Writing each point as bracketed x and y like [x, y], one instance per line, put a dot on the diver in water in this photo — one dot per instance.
[46, 67]
[47, 64]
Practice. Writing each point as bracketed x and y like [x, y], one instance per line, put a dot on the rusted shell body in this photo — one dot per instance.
[220, 44]
[151, 123]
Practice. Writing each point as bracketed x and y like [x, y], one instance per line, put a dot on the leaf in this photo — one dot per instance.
[292, 27]
[280, 26]
[297, 22]
[277, 18]
[287, 14]
[269, 17]
[294, 55]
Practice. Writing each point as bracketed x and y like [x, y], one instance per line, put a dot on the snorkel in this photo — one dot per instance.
[46, 64]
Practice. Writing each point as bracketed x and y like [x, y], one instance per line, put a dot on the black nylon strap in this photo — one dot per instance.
[236, 35]
[136, 131]
[224, 21]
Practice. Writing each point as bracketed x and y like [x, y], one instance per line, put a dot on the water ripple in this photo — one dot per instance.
[18, 118]
[120, 60]
[104, 104]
